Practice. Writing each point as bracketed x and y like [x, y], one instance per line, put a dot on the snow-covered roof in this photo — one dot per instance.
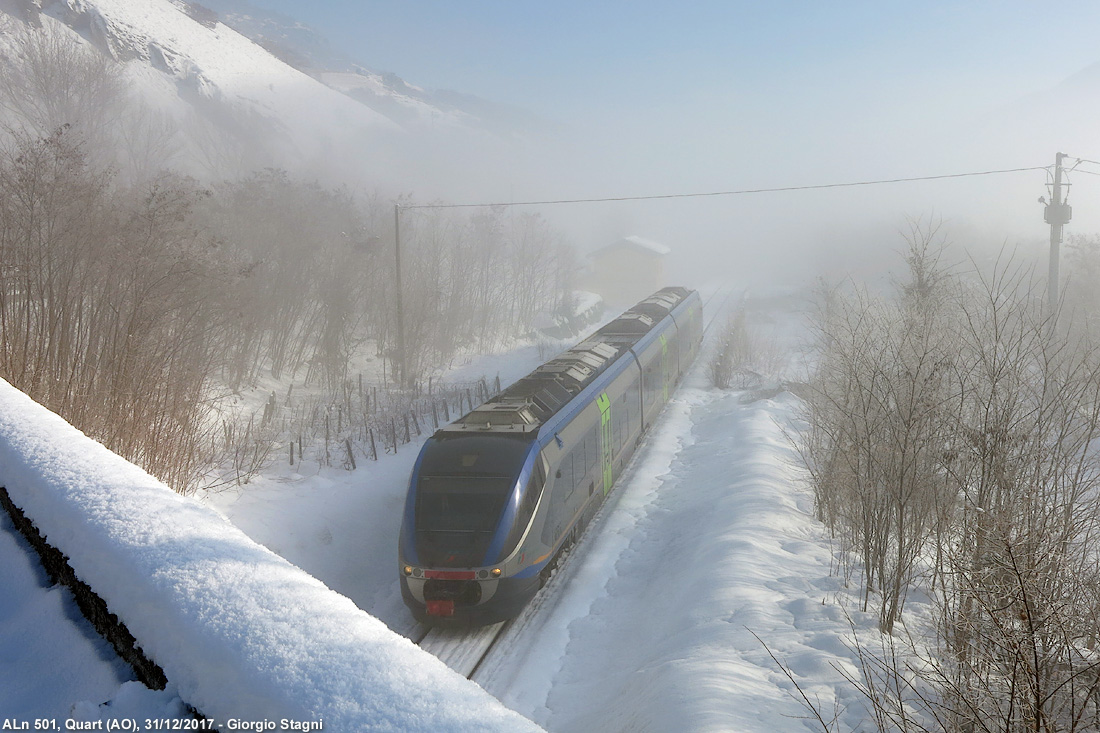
[635, 242]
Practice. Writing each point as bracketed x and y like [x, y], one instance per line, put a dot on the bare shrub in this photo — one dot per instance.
[744, 353]
[952, 429]
[480, 281]
[731, 351]
[877, 413]
[106, 303]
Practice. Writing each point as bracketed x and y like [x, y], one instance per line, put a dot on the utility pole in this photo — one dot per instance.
[401, 376]
[1057, 214]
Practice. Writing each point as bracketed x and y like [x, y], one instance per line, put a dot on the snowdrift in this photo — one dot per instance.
[239, 632]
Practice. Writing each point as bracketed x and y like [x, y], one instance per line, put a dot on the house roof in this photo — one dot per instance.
[634, 242]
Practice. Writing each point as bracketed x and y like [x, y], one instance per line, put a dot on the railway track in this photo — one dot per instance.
[463, 650]
[468, 650]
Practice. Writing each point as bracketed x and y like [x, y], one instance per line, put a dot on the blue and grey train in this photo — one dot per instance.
[496, 495]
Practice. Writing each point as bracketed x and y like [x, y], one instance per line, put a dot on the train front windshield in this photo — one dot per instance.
[462, 487]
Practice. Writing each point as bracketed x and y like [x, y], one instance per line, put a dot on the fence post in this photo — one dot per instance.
[373, 449]
[351, 456]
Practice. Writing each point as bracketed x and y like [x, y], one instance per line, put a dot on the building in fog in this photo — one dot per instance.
[628, 270]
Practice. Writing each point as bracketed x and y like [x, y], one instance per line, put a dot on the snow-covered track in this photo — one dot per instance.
[722, 297]
[461, 649]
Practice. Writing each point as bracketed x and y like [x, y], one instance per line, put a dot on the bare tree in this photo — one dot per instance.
[53, 81]
[106, 302]
[954, 427]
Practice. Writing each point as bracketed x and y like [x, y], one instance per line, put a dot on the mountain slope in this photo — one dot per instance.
[233, 107]
[307, 50]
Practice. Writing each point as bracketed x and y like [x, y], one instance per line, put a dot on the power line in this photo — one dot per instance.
[740, 192]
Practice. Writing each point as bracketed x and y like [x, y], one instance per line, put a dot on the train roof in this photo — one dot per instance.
[530, 401]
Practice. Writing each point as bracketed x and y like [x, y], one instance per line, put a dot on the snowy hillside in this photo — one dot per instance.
[214, 70]
[236, 107]
[383, 91]
[394, 98]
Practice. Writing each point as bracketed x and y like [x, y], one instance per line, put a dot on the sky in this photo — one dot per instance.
[576, 57]
[658, 98]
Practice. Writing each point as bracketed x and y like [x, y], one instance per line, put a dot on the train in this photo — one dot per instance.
[496, 496]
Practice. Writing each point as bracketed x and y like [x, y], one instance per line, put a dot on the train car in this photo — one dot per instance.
[498, 494]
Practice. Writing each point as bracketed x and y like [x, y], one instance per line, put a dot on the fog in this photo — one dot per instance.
[637, 99]
[625, 100]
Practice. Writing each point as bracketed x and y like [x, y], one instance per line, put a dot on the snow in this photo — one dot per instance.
[709, 542]
[50, 656]
[219, 61]
[213, 82]
[649, 244]
[373, 85]
[239, 631]
[639, 242]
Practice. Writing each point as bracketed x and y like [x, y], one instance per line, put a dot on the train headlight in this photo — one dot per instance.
[407, 570]
[495, 572]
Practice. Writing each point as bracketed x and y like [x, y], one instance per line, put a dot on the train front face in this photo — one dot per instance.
[470, 500]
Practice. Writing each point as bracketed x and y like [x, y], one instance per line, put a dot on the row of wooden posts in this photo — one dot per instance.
[396, 429]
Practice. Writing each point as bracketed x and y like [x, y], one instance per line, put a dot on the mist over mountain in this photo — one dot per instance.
[307, 50]
[228, 89]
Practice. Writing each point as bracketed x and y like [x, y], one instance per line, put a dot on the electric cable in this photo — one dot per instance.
[738, 192]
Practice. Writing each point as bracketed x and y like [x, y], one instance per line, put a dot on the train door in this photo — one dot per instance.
[668, 367]
[607, 448]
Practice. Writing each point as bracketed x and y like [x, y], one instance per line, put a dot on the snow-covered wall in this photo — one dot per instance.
[240, 632]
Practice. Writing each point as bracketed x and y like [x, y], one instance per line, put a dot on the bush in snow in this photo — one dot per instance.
[951, 445]
[742, 354]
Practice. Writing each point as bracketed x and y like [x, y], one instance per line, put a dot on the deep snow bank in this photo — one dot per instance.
[240, 632]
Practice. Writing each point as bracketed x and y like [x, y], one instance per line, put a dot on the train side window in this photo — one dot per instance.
[580, 463]
[617, 429]
[625, 410]
[591, 450]
[565, 468]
